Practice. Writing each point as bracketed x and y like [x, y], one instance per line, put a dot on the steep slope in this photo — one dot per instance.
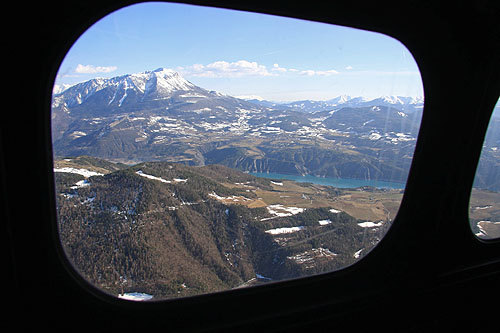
[170, 230]
[159, 116]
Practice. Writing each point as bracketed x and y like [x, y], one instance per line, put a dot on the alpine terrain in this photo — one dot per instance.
[160, 116]
[169, 230]
[155, 198]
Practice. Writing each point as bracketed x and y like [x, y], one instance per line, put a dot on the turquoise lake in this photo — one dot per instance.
[337, 182]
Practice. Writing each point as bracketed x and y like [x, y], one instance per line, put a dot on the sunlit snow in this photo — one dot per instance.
[288, 230]
[84, 172]
[142, 174]
[309, 257]
[80, 184]
[135, 296]
[370, 224]
[282, 211]
[483, 225]
[232, 198]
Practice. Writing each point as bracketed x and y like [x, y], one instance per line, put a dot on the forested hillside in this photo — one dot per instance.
[171, 230]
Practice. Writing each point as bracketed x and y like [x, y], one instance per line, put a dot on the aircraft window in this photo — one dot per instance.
[199, 149]
[484, 213]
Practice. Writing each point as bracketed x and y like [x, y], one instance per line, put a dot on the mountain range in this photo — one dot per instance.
[158, 115]
[150, 199]
[408, 104]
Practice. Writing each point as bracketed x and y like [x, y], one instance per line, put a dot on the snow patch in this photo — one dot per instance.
[282, 211]
[142, 174]
[80, 184]
[309, 257]
[188, 95]
[483, 225]
[135, 296]
[84, 172]
[370, 224]
[232, 198]
[482, 207]
[286, 230]
[324, 222]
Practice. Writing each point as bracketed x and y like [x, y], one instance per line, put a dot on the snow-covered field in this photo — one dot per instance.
[370, 224]
[282, 211]
[308, 257]
[232, 198]
[324, 222]
[84, 172]
[488, 229]
[279, 231]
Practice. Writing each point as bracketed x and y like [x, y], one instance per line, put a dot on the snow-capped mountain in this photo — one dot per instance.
[398, 100]
[404, 103]
[159, 115]
[148, 94]
[162, 84]
[59, 88]
[342, 99]
[126, 89]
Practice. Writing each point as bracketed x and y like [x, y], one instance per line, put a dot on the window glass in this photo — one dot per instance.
[484, 213]
[199, 149]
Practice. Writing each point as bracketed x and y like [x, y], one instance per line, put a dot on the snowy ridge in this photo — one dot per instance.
[84, 172]
[160, 82]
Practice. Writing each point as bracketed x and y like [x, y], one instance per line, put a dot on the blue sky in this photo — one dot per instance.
[243, 54]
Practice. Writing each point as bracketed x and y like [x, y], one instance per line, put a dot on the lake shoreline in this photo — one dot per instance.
[335, 182]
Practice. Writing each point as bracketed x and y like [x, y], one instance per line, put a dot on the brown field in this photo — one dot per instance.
[484, 212]
[484, 205]
[365, 205]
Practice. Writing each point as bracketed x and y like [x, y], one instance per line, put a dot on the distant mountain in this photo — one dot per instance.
[127, 89]
[147, 93]
[407, 104]
[158, 115]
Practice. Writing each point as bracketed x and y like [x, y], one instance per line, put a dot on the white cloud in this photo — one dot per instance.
[307, 72]
[327, 73]
[277, 68]
[219, 69]
[225, 69]
[91, 69]
[310, 72]
[348, 67]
